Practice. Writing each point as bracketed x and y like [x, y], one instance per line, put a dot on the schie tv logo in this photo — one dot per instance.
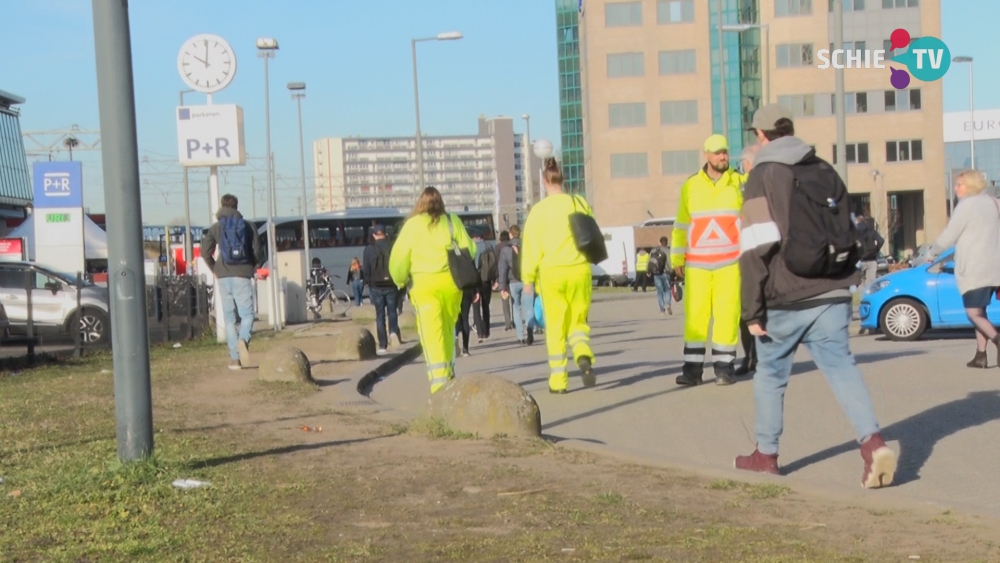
[928, 59]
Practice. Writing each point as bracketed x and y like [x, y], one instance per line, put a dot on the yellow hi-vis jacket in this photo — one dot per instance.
[642, 262]
[707, 229]
[422, 248]
[547, 241]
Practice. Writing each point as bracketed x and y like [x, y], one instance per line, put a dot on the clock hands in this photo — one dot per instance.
[201, 61]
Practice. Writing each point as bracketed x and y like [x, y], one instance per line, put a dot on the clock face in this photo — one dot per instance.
[206, 63]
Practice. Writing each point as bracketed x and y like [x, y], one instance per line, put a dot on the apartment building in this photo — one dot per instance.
[480, 172]
[652, 92]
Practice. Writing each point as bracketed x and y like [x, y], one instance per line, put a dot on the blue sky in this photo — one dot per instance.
[355, 58]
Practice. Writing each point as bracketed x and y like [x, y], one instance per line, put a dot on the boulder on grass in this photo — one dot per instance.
[285, 363]
[408, 321]
[355, 344]
[362, 314]
[487, 405]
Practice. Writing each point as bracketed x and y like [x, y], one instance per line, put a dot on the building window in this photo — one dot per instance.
[854, 102]
[800, 105]
[680, 112]
[793, 7]
[857, 153]
[627, 115]
[795, 55]
[677, 62]
[890, 4]
[674, 11]
[629, 165]
[902, 100]
[626, 64]
[680, 162]
[623, 14]
[851, 5]
[904, 151]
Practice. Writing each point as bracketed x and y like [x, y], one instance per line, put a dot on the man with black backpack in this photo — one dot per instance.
[799, 259]
[240, 254]
[487, 263]
[659, 259]
[510, 281]
[381, 289]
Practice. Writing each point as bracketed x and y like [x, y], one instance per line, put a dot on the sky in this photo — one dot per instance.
[354, 57]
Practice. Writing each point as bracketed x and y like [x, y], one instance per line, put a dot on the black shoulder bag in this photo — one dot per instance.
[587, 235]
[463, 268]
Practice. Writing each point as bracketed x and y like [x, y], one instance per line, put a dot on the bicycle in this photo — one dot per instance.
[340, 302]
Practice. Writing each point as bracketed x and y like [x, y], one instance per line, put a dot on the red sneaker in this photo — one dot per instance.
[758, 462]
[880, 463]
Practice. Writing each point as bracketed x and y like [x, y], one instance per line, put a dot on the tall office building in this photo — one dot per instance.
[652, 91]
[570, 94]
[481, 172]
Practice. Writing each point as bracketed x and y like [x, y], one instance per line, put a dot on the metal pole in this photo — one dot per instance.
[305, 201]
[416, 101]
[188, 243]
[528, 189]
[126, 282]
[972, 114]
[722, 76]
[767, 63]
[838, 100]
[272, 256]
[213, 196]
[253, 196]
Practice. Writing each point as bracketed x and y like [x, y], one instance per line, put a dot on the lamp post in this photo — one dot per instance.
[449, 36]
[528, 188]
[543, 150]
[298, 90]
[765, 28]
[188, 243]
[722, 77]
[838, 101]
[972, 111]
[266, 48]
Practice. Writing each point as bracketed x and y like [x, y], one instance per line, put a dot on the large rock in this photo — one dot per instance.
[407, 321]
[487, 405]
[285, 363]
[355, 344]
[362, 314]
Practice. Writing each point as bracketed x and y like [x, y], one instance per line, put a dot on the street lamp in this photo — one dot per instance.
[543, 150]
[740, 27]
[266, 48]
[972, 111]
[298, 90]
[448, 36]
[526, 152]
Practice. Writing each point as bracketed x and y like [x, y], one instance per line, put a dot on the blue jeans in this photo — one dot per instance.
[824, 331]
[358, 288]
[662, 290]
[384, 299]
[516, 303]
[236, 295]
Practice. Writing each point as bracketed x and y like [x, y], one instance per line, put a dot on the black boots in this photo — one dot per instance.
[691, 374]
[978, 362]
[746, 367]
[586, 368]
[724, 374]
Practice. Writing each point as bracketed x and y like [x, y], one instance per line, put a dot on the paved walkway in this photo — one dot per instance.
[943, 417]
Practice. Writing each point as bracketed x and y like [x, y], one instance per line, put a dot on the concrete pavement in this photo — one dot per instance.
[942, 417]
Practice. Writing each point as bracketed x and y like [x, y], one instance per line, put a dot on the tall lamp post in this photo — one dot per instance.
[298, 90]
[972, 111]
[188, 243]
[266, 48]
[528, 188]
[766, 30]
[449, 36]
[543, 150]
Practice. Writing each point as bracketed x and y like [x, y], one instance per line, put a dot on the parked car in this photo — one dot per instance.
[4, 323]
[54, 303]
[905, 304]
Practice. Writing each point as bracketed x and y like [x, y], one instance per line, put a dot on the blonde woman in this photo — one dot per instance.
[420, 254]
[551, 260]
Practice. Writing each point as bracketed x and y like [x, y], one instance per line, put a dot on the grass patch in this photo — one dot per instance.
[609, 499]
[754, 491]
[437, 428]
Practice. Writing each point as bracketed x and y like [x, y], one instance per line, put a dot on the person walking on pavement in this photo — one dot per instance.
[641, 271]
[704, 252]
[356, 280]
[659, 262]
[240, 255]
[793, 296]
[974, 231]
[486, 261]
[382, 290]
[748, 341]
[508, 319]
[420, 256]
[871, 244]
[552, 261]
[462, 326]
[510, 281]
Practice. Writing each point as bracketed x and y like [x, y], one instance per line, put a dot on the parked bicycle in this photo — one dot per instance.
[324, 291]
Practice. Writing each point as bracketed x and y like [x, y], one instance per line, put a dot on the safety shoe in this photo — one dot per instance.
[531, 336]
[586, 367]
[978, 362]
[235, 365]
[758, 462]
[244, 350]
[690, 376]
[880, 463]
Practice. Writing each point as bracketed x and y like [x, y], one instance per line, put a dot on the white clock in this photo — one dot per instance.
[207, 63]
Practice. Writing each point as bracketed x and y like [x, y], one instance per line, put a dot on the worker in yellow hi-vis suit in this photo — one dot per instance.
[420, 254]
[705, 251]
[549, 259]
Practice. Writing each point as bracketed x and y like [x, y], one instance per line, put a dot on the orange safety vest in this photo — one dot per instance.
[707, 229]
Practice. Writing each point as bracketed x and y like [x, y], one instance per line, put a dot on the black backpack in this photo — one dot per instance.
[488, 266]
[380, 267]
[822, 241]
[516, 261]
[871, 242]
[657, 262]
[235, 241]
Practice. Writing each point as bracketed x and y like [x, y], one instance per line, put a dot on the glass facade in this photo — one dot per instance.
[957, 159]
[15, 184]
[743, 71]
[570, 93]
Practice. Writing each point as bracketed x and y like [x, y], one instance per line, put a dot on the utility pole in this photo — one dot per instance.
[722, 77]
[838, 99]
[127, 283]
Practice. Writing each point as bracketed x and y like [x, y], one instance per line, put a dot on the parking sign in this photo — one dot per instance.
[58, 184]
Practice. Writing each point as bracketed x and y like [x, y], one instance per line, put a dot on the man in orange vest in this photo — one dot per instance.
[705, 251]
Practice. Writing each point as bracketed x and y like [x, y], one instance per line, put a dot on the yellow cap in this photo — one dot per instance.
[716, 143]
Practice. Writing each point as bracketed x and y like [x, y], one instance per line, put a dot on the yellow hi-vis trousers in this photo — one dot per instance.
[437, 303]
[711, 294]
[565, 296]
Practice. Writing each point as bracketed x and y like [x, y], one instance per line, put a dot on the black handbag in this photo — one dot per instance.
[587, 235]
[463, 268]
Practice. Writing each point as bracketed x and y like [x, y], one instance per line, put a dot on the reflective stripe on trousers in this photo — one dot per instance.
[566, 301]
[437, 303]
[713, 297]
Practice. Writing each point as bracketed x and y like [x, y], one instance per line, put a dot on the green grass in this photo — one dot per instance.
[754, 491]
[436, 428]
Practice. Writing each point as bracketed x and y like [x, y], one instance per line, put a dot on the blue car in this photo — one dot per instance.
[905, 304]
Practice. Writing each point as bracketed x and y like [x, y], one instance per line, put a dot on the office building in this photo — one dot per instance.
[958, 128]
[15, 182]
[652, 90]
[480, 172]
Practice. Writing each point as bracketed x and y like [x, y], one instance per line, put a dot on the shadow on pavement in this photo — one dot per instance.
[918, 434]
[608, 408]
[668, 369]
[215, 462]
[556, 439]
[330, 382]
[860, 359]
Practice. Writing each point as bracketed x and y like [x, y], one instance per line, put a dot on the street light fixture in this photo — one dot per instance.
[972, 111]
[447, 36]
[543, 150]
[266, 48]
[740, 27]
[298, 90]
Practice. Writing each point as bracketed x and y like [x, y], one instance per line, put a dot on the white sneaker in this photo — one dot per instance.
[395, 341]
[381, 352]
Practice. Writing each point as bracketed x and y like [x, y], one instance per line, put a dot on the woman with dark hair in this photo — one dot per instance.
[420, 255]
[551, 260]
